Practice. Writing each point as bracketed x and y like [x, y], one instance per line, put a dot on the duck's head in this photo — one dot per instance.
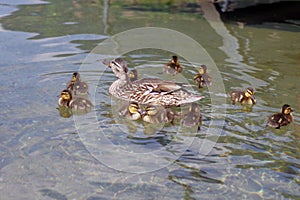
[174, 59]
[249, 92]
[202, 69]
[151, 110]
[119, 67]
[75, 76]
[286, 109]
[66, 95]
[134, 110]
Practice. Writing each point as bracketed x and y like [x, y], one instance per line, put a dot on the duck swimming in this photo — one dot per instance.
[157, 114]
[243, 97]
[202, 78]
[132, 111]
[192, 117]
[173, 67]
[78, 103]
[77, 86]
[152, 91]
[282, 118]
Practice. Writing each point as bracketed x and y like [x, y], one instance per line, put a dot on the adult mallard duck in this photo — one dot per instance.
[282, 118]
[192, 117]
[202, 78]
[243, 97]
[77, 86]
[77, 104]
[146, 91]
[173, 67]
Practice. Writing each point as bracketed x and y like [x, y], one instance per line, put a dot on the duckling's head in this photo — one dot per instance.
[174, 59]
[66, 95]
[286, 109]
[151, 110]
[249, 92]
[133, 75]
[202, 69]
[133, 108]
[75, 76]
[119, 67]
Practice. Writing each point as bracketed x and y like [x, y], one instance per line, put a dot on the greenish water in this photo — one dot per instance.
[46, 156]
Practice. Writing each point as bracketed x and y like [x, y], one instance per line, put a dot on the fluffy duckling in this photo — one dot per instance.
[131, 112]
[133, 75]
[173, 67]
[282, 118]
[158, 114]
[202, 78]
[243, 97]
[77, 104]
[192, 117]
[77, 86]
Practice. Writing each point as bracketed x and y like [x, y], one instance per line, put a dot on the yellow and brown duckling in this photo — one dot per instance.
[192, 117]
[243, 97]
[133, 75]
[77, 104]
[282, 118]
[173, 67]
[132, 111]
[157, 114]
[77, 86]
[202, 78]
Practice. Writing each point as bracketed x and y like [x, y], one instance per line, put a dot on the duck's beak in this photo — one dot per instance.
[142, 112]
[106, 62]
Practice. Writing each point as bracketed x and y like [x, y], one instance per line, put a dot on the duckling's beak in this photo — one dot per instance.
[142, 112]
[292, 110]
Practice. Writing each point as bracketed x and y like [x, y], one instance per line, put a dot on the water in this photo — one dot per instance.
[46, 156]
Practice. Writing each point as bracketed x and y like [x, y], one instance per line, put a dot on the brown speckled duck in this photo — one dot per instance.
[282, 118]
[173, 67]
[202, 78]
[77, 86]
[146, 91]
[243, 97]
[77, 104]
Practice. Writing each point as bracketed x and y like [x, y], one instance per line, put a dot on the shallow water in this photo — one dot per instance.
[99, 155]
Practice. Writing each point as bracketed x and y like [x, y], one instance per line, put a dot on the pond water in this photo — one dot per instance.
[233, 156]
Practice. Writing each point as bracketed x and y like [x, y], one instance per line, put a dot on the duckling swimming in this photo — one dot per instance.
[158, 114]
[77, 86]
[132, 111]
[243, 97]
[282, 118]
[202, 78]
[77, 104]
[173, 67]
[192, 117]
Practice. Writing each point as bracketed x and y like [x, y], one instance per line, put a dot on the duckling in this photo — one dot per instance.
[173, 67]
[132, 111]
[77, 86]
[202, 78]
[193, 117]
[76, 104]
[133, 75]
[282, 118]
[243, 97]
[158, 114]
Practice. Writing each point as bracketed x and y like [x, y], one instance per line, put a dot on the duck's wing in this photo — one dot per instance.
[154, 85]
